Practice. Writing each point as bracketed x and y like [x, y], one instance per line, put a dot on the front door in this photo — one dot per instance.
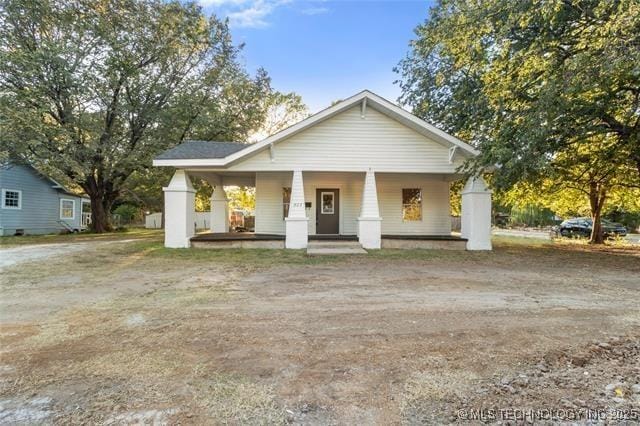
[327, 211]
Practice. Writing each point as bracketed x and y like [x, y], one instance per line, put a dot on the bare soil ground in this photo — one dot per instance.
[131, 333]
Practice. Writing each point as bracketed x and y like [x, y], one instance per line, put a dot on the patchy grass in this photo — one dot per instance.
[259, 336]
[499, 241]
[415, 254]
[236, 400]
[253, 257]
[424, 389]
[123, 234]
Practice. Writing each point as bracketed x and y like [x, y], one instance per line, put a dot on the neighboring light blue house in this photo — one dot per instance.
[33, 203]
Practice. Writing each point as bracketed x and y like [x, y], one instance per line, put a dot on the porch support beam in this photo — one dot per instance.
[179, 211]
[476, 214]
[369, 222]
[297, 223]
[219, 215]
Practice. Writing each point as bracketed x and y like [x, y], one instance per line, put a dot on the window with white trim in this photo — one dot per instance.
[411, 204]
[11, 199]
[67, 209]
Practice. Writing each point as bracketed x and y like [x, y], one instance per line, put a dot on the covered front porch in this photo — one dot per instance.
[293, 208]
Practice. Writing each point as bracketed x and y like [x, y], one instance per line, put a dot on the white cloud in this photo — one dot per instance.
[207, 3]
[315, 10]
[253, 15]
[245, 13]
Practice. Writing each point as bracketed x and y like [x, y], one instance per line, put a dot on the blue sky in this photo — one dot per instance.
[324, 50]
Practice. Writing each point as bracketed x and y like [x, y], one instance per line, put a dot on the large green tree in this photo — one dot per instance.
[546, 90]
[93, 89]
[248, 112]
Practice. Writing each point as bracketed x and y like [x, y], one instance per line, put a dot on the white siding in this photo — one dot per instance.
[269, 202]
[436, 219]
[40, 212]
[435, 208]
[349, 142]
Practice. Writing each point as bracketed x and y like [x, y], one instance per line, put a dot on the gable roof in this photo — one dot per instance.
[364, 98]
[54, 184]
[201, 149]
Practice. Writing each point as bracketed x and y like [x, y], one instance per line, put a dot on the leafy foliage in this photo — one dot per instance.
[128, 212]
[95, 89]
[548, 91]
[242, 198]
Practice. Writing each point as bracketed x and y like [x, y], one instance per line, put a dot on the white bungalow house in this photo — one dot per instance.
[363, 169]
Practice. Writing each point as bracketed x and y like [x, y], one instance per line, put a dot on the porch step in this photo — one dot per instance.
[329, 247]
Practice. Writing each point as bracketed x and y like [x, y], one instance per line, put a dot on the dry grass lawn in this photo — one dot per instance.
[132, 332]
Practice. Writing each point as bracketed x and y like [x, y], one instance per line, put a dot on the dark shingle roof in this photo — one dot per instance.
[201, 149]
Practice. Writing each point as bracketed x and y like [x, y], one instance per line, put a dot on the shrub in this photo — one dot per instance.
[531, 215]
[127, 212]
[629, 219]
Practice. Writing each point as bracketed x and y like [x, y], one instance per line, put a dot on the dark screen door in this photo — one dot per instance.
[327, 211]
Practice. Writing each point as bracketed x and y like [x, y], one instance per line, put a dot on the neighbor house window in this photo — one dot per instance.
[67, 209]
[286, 199]
[411, 204]
[11, 199]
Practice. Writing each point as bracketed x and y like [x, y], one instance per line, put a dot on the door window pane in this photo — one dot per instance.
[327, 202]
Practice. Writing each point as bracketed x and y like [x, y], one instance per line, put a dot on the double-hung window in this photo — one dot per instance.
[67, 209]
[11, 199]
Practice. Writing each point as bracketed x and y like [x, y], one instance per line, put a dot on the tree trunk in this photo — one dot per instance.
[100, 213]
[103, 195]
[597, 197]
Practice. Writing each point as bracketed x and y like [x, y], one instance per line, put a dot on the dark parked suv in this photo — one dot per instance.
[581, 227]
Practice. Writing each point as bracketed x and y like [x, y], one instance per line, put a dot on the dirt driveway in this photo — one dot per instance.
[131, 333]
[39, 252]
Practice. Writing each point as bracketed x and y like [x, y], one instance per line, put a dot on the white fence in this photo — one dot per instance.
[154, 220]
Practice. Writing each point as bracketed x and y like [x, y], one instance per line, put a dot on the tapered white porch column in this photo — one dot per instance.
[219, 215]
[179, 211]
[476, 214]
[296, 223]
[369, 222]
